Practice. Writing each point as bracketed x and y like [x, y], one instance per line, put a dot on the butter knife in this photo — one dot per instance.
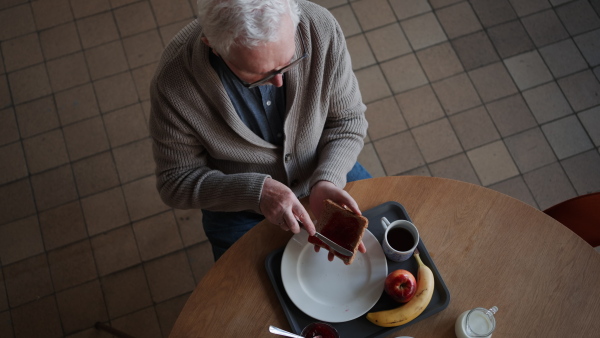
[340, 249]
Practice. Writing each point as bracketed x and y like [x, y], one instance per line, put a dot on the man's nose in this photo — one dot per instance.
[277, 80]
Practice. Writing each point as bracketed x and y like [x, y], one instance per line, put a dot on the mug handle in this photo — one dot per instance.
[385, 223]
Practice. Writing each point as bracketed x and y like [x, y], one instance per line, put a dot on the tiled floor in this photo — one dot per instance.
[500, 93]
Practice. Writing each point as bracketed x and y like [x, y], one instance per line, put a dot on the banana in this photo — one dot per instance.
[411, 310]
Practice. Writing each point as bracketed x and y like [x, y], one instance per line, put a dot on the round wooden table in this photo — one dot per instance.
[490, 249]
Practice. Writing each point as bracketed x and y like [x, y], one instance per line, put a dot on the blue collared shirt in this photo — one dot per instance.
[262, 108]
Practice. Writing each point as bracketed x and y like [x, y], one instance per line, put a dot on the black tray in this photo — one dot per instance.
[361, 327]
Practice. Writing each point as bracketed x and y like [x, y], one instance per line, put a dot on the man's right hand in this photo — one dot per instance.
[280, 206]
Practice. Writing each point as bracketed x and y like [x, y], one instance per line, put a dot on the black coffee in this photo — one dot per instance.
[400, 239]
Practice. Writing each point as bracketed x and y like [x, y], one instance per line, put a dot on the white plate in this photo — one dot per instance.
[332, 291]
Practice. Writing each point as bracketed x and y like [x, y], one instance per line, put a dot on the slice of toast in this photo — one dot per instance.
[342, 226]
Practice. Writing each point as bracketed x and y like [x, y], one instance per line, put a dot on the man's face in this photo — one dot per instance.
[252, 65]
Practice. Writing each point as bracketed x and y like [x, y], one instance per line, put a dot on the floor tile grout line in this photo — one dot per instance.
[363, 33]
[89, 238]
[128, 143]
[99, 278]
[378, 156]
[81, 45]
[75, 18]
[70, 161]
[86, 222]
[80, 198]
[561, 89]
[30, 184]
[88, 157]
[484, 106]
[83, 52]
[62, 126]
[502, 139]
[522, 178]
[428, 84]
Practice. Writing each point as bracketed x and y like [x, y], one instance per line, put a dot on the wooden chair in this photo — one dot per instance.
[581, 215]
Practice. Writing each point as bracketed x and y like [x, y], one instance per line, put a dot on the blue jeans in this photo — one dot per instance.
[225, 228]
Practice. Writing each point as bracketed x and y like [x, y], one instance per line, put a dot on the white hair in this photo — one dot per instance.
[248, 23]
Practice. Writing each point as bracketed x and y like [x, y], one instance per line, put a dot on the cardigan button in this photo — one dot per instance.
[288, 157]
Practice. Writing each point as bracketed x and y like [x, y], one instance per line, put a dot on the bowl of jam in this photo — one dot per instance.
[320, 329]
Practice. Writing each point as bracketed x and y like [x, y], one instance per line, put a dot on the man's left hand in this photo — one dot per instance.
[323, 190]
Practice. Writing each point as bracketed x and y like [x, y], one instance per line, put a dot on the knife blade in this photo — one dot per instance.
[340, 249]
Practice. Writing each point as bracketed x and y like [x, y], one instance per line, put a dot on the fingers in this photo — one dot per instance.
[331, 256]
[291, 223]
[323, 190]
[283, 225]
[362, 248]
[280, 206]
[304, 218]
[353, 206]
[294, 221]
[349, 203]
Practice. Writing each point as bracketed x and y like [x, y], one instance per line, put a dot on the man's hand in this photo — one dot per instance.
[280, 206]
[331, 256]
[323, 190]
[326, 190]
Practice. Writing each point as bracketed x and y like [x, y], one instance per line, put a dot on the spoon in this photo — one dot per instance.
[281, 332]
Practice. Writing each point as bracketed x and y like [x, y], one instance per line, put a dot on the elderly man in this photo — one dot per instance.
[255, 105]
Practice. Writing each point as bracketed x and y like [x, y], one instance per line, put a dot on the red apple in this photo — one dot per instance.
[401, 285]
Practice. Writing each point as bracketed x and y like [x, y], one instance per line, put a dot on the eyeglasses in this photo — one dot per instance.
[276, 72]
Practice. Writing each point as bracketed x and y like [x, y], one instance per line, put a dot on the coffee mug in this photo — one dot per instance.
[400, 239]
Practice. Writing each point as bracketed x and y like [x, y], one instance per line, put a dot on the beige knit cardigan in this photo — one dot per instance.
[205, 155]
